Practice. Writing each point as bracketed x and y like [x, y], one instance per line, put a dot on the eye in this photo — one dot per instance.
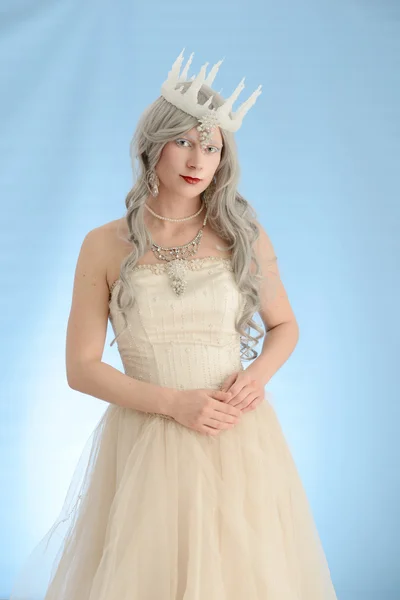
[181, 140]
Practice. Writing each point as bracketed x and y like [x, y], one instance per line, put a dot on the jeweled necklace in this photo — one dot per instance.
[177, 257]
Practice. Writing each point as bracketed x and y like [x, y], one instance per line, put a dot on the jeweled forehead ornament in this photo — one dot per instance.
[208, 118]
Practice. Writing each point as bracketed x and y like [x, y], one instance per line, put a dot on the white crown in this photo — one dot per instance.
[187, 101]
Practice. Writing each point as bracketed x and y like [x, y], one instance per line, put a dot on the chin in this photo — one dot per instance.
[189, 194]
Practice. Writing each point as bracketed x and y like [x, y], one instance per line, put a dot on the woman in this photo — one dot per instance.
[190, 491]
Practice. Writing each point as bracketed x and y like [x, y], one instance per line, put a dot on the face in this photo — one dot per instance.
[185, 157]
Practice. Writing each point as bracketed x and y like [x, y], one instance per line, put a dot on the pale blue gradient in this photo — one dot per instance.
[319, 157]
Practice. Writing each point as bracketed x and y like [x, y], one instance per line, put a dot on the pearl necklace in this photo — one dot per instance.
[172, 219]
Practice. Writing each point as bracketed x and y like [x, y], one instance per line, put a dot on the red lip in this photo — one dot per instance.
[191, 179]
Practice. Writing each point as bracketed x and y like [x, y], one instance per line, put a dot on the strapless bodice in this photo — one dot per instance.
[182, 341]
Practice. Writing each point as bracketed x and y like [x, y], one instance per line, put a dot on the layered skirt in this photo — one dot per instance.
[157, 511]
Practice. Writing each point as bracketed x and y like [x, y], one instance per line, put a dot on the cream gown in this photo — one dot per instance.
[161, 512]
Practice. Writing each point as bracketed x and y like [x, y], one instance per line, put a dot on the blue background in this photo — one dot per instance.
[319, 157]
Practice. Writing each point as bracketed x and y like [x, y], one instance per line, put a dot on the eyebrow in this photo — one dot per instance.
[189, 137]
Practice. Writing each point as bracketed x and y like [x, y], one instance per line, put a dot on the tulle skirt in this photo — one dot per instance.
[157, 511]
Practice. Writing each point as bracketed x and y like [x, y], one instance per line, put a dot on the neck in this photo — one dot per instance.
[170, 205]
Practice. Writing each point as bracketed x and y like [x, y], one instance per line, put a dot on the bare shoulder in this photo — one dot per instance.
[111, 232]
[110, 245]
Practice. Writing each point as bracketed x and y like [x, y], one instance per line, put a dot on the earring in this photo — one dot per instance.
[153, 183]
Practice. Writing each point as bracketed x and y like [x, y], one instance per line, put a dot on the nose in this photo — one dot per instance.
[196, 158]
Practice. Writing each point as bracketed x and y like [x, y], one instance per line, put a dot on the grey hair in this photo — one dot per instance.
[229, 214]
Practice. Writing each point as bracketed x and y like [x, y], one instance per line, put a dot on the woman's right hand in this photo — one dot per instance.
[205, 410]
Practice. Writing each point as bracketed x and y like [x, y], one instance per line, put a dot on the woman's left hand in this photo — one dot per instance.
[247, 393]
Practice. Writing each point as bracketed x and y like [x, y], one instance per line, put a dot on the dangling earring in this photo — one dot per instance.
[153, 182]
[210, 191]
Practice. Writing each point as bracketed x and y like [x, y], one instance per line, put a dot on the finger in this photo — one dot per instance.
[221, 396]
[241, 399]
[219, 421]
[229, 381]
[220, 417]
[213, 427]
[253, 405]
[238, 386]
[249, 399]
[227, 409]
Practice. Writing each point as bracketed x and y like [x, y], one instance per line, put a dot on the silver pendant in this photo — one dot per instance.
[176, 270]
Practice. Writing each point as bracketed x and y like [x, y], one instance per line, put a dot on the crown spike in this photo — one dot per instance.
[183, 75]
[173, 74]
[212, 74]
[227, 106]
[245, 107]
[191, 93]
[209, 101]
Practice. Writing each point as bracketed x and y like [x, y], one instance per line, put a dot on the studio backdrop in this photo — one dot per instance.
[319, 159]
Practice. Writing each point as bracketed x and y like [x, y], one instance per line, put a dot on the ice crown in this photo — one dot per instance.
[187, 101]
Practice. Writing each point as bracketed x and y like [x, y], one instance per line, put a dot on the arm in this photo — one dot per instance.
[86, 334]
[282, 331]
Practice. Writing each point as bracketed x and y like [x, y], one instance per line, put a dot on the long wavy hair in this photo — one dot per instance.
[229, 214]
